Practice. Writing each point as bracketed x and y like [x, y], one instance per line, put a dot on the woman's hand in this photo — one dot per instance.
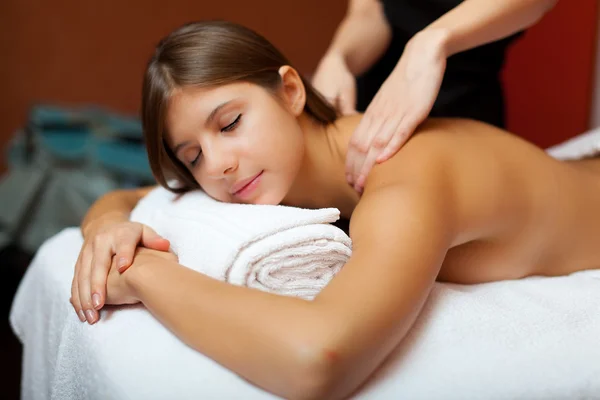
[401, 104]
[110, 237]
[336, 83]
[118, 289]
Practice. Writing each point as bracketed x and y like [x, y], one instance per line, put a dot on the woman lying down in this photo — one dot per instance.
[461, 202]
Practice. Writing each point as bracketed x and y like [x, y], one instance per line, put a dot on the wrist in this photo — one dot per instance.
[334, 54]
[437, 39]
[134, 278]
[144, 274]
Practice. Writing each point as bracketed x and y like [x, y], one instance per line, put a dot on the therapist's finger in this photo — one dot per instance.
[378, 144]
[359, 146]
[404, 131]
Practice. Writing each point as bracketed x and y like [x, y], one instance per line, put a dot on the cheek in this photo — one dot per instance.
[209, 186]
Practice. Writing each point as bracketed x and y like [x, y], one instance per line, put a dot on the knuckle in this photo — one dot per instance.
[380, 142]
[362, 147]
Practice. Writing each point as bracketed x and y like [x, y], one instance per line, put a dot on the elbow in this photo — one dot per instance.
[319, 373]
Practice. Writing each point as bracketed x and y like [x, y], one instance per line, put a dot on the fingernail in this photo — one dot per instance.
[96, 300]
[90, 316]
[122, 262]
[81, 316]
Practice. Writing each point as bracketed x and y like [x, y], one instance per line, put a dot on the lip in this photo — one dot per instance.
[241, 185]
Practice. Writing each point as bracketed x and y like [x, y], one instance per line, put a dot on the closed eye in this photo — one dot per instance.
[196, 159]
[232, 125]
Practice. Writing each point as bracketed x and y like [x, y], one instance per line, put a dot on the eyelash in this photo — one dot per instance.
[228, 128]
[232, 126]
[195, 160]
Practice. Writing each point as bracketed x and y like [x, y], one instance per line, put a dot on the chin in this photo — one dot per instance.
[268, 199]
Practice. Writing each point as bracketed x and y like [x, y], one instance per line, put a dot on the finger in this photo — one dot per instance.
[125, 250]
[404, 131]
[356, 144]
[100, 266]
[84, 279]
[153, 240]
[75, 299]
[378, 144]
[363, 147]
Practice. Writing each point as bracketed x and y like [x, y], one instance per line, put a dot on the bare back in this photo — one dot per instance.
[519, 211]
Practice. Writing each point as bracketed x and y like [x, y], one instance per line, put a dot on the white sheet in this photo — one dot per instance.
[537, 338]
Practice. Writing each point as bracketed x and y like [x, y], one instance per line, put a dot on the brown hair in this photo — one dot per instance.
[203, 54]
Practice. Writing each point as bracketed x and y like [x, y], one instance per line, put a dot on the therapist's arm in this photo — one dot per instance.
[362, 36]
[476, 22]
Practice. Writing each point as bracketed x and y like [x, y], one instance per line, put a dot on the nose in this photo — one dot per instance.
[219, 161]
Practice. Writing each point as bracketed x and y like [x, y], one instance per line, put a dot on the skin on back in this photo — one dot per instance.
[515, 211]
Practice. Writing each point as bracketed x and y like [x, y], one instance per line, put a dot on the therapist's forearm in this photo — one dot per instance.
[476, 22]
[362, 36]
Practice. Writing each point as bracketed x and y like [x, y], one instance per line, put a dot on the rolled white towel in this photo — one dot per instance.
[285, 250]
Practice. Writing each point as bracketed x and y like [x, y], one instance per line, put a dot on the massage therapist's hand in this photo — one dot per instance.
[334, 80]
[118, 288]
[108, 237]
[401, 104]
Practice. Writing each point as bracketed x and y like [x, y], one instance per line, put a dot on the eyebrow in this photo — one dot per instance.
[209, 120]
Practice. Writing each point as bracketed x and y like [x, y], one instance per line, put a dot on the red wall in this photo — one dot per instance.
[549, 74]
[71, 51]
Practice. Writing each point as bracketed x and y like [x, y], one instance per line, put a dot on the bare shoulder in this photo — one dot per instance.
[484, 178]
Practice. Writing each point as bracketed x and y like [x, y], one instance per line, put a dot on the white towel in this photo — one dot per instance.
[284, 250]
[579, 147]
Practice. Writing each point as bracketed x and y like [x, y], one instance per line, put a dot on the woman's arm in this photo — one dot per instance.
[328, 347]
[112, 207]
[476, 22]
[108, 233]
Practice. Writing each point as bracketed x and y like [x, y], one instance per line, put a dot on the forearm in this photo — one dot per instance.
[263, 337]
[116, 205]
[477, 22]
[362, 36]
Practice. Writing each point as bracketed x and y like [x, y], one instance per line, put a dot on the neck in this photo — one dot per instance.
[321, 181]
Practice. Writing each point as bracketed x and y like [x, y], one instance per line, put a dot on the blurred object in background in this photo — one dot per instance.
[59, 163]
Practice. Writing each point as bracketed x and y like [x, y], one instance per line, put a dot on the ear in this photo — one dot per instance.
[293, 92]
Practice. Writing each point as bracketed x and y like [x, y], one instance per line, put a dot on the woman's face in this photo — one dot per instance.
[241, 142]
